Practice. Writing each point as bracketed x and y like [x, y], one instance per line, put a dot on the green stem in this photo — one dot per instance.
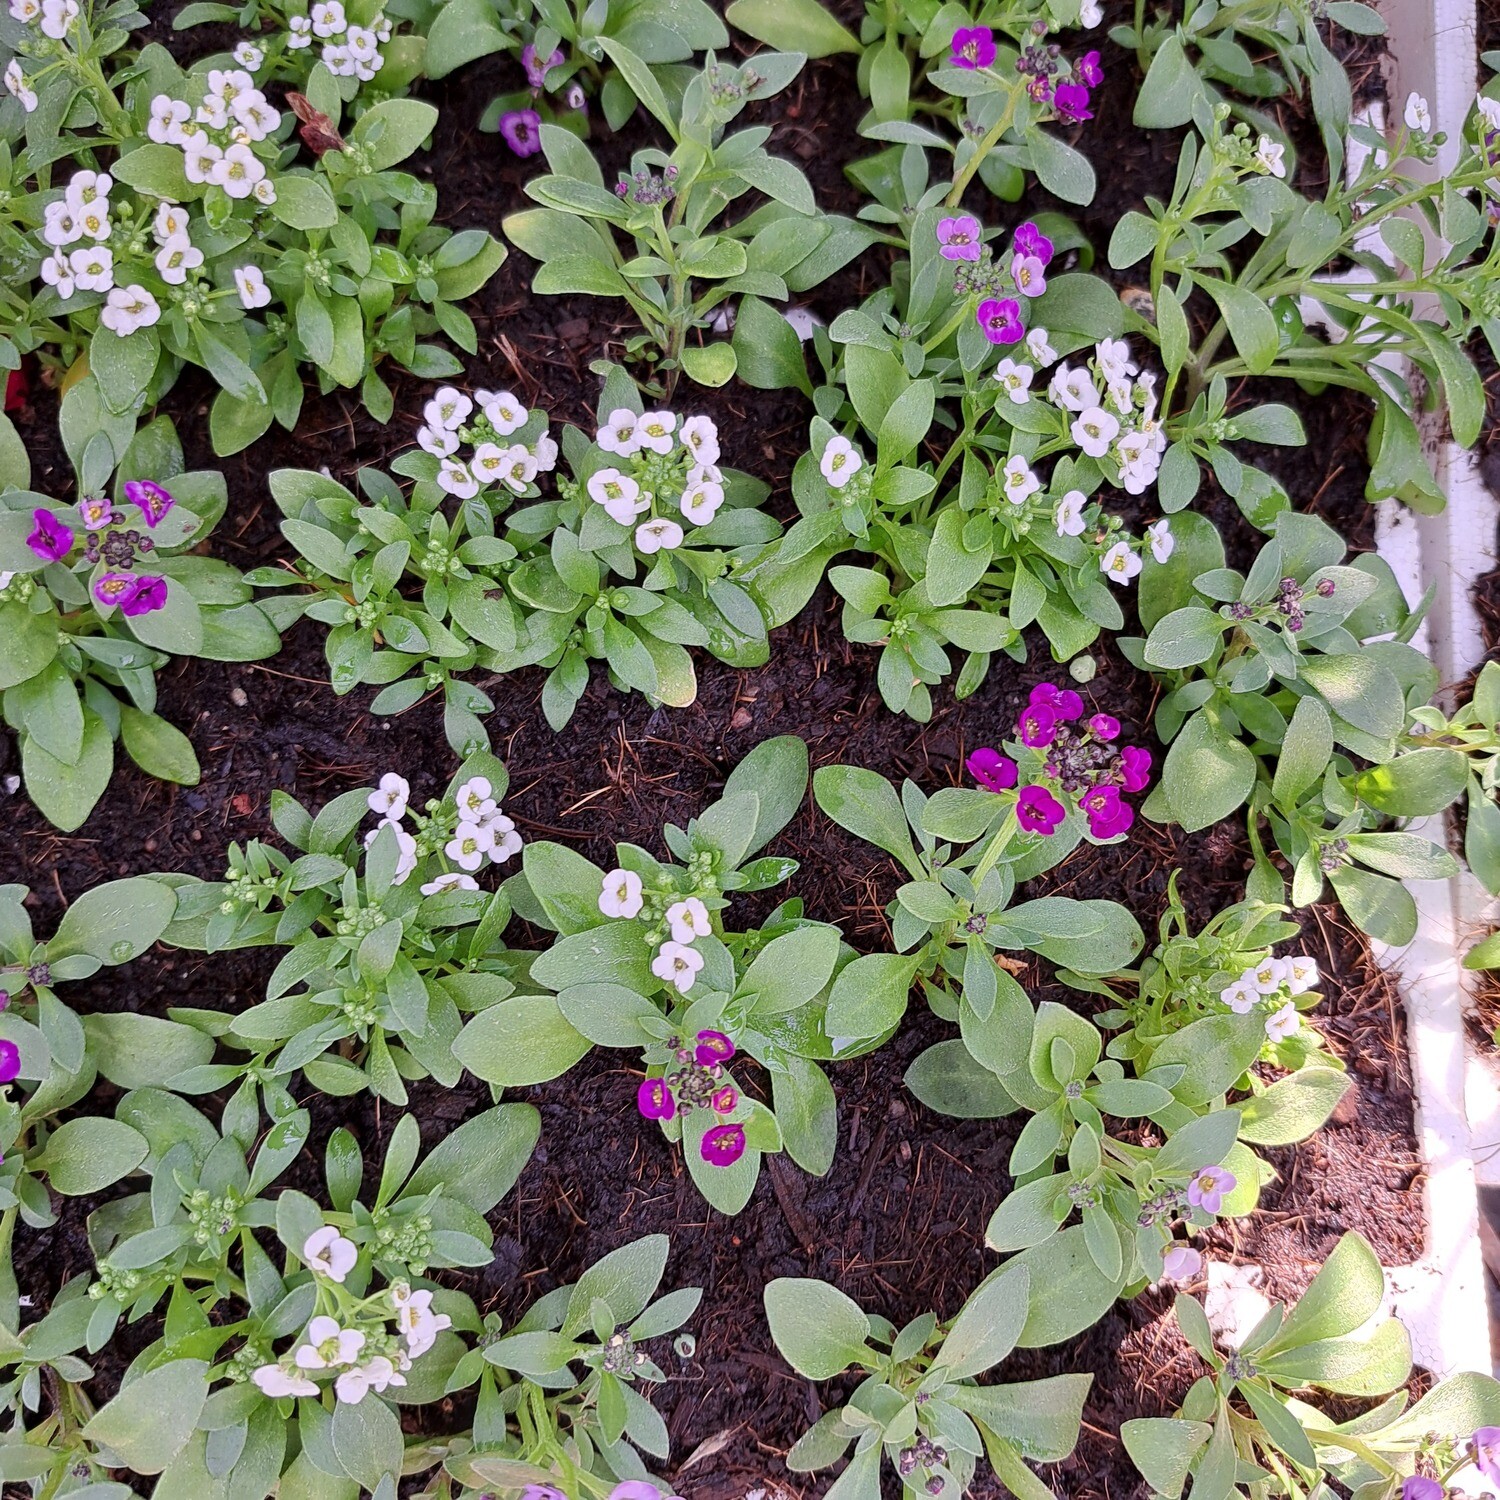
[996, 847]
[991, 136]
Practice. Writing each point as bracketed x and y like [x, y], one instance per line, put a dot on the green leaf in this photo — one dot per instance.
[947, 1078]
[1343, 1296]
[767, 348]
[987, 1325]
[304, 202]
[1252, 325]
[116, 921]
[157, 747]
[1170, 89]
[1068, 1291]
[625, 1280]
[65, 794]
[870, 994]
[479, 1162]
[1059, 168]
[1163, 1449]
[1293, 1107]
[88, 1154]
[139, 1051]
[150, 1421]
[1184, 638]
[1305, 752]
[819, 1331]
[866, 804]
[1207, 774]
[392, 129]
[712, 365]
[523, 1040]
[366, 1440]
[795, 25]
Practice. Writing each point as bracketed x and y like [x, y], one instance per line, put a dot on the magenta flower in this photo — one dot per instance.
[1038, 811]
[993, 771]
[1107, 813]
[1420, 1487]
[95, 512]
[1087, 70]
[654, 1099]
[1105, 726]
[536, 72]
[1000, 317]
[1136, 765]
[959, 238]
[112, 589]
[1071, 101]
[1207, 1189]
[724, 1101]
[542, 1492]
[973, 47]
[1037, 725]
[1029, 275]
[1063, 702]
[51, 540]
[1486, 1453]
[724, 1145]
[713, 1047]
[153, 500]
[149, 595]
[1029, 240]
[10, 1061]
[521, 130]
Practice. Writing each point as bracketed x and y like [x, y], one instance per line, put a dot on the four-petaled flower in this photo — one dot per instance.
[1208, 1186]
[1071, 101]
[959, 237]
[622, 894]
[723, 1145]
[993, 771]
[973, 47]
[153, 500]
[678, 965]
[1038, 811]
[655, 1100]
[1000, 318]
[51, 540]
[712, 1047]
[328, 1253]
[328, 1345]
[1486, 1453]
[521, 130]
[1181, 1263]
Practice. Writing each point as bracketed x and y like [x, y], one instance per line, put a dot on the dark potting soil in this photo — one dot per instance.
[898, 1222]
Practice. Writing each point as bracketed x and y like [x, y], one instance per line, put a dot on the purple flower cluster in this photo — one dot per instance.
[120, 587]
[1083, 761]
[697, 1083]
[961, 238]
[973, 47]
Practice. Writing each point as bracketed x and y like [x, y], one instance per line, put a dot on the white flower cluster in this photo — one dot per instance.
[53, 18]
[515, 465]
[1271, 985]
[484, 834]
[677, 962]
[330, 1346]
[216, 138]
[349, 50]
[624, 498]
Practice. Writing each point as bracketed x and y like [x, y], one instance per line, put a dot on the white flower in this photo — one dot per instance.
[86, 188]
[1120, 564]
[513, 466]
[229, 83]
[1094, 430]
[1139, 462]
[170, 223]
[250, 282]
[418, 1324]
[93, 222]
[1068, 517]
[374, 1375]
[618, 493]
[237, 171]
[256, 115]
[214, 112]
[451, 880]
[677, 965]
[475, 800]
[1270, 156]
[1240, 997]
[1091, 14]
[700, 502]
[621, 896]
[455, 479]
[94, 268]
[199, 156]
[128, 308]
[1268, 976]
[364, 45]
[1489, 110]
[448, 409]
[704, 474]
[1015, 379]
[701, 438]
[1019, 483]
[506, 840]
[1418, 115]
[1113, 356]
[618, 435]
[1038, 347]
[274, 1381]
[25, 10]
[176, 258]
[390, 797]
[1281, 1024]
[544, 451]
[437, 441]
[328, 1345]
[1163, 543]
[5, 579]
[841, 461]
[248, 55]
[470, 844]
[689, 920]
[1073, 390]
[265, 191]
[655, 429]
[299, 32]
[328, 1253]
[1302, 974]
[328, 18]
[15, 85]
[58, 17]
[660, 535]
[505, 414]
[57, 271]
[59, 223]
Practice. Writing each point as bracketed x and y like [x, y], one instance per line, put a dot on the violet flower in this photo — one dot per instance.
[1029, 240]
[1037, 725]
[95, 512]
[959, 238]
[1029, 275]
[1071, 101]
[536, 72]
[1000, 317]
[1486, 1453]
[112, 589]
[521, 130]
[1107, 812]
[10, 1061]
[973, 47]
[654, 1099]
[1181, 1263]
[713, 1047]
[1087, 70]
[51, 541]
[149, 596]
[1136, 765]
[153, 500]
[724, 1101]
[1038, 811]
[1208, 1187]
[993, 771]
[1063, 702]
[1106, 726]
[542, 1492]
[723, 1145]
[1420, 1487]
